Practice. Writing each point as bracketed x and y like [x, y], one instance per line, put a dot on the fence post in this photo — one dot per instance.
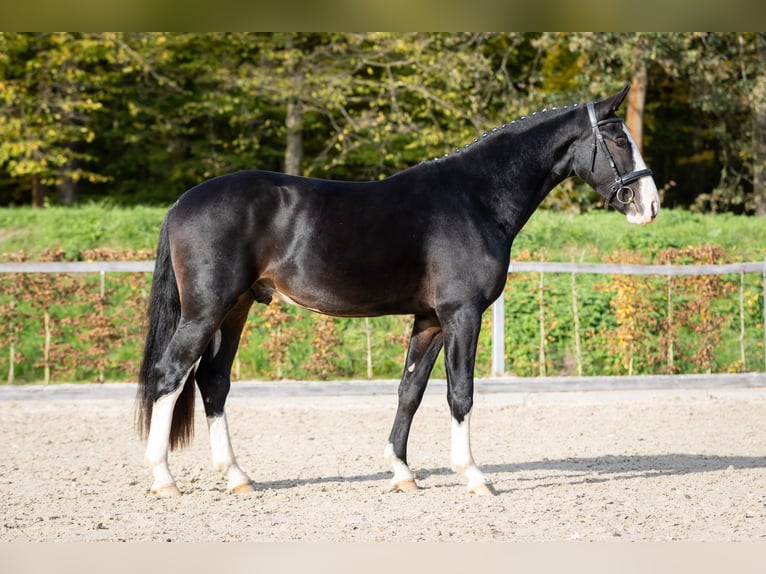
[498, 337]
[12, 359]
[368, 338]
[47, 348]
[576, 313]
[12, 353]
[764, 313]
[671, 358]
[541, 304]
[742, 357]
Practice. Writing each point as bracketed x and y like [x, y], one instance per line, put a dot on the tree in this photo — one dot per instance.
[758, 102]
[50, 85]
[412, 97]
[140, 117]
[725, 72]
[298, 77]
[704, 98]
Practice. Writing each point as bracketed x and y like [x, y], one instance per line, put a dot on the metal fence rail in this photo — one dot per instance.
[78, 267]
[498, 311]
[514, 267]
[625, 269]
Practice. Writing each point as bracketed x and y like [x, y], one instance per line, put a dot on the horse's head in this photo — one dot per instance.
[608, 159]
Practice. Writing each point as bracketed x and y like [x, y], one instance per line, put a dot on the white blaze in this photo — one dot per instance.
[647, 203]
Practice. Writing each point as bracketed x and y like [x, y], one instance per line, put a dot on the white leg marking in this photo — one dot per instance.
[402, 472]
[223, 454]
[158, 443]
[461, 456]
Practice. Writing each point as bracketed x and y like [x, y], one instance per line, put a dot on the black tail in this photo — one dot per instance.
[164, 314]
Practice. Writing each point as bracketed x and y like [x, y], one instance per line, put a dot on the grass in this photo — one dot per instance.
[562, 236]
[77, 228]
[567, 237]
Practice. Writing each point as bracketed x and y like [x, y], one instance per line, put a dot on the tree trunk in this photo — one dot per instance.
[67, 191]
[636, 101]
[294, 148]
[759, 133]
[294, 119]
[38, 192]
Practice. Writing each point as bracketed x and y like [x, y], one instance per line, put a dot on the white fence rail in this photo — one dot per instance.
[498, 311]
[78, 267]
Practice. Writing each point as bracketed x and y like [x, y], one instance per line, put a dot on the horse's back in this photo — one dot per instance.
[343, 248]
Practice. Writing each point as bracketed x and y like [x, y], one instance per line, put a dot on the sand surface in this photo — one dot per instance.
[648, 465]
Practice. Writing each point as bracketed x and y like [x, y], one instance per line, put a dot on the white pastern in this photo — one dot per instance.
[158, 443]
[223, 453]
[402, 472]
[647, 197]
[461, 456]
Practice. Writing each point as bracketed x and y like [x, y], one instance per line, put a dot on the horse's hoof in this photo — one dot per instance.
[483, 489]
[167, 491]
[408, 485]
[243, 488]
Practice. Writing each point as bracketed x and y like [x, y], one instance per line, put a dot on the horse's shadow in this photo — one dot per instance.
[570, 470]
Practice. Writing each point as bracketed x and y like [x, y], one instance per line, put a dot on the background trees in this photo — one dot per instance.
[140, 117]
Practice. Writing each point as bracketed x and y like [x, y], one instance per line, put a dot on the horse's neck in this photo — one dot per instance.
[514, 171]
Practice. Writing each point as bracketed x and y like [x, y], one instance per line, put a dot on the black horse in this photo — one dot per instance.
[432, 241]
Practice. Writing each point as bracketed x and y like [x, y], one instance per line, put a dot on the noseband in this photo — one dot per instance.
[619, 190]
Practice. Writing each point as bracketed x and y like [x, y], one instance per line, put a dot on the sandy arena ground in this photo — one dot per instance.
[649, 465]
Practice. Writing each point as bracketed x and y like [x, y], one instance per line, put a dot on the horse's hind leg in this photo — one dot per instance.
[158, 442]
[214, 380]
[173, 372]
[425, 344]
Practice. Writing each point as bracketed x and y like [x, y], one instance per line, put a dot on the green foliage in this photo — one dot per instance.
[139, 117]
[75, 229]
[568, 237]
[624, 322]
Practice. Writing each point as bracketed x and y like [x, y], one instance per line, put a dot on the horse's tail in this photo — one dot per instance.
[164, 314]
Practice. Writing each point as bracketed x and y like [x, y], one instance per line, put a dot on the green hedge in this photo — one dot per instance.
[626, 325]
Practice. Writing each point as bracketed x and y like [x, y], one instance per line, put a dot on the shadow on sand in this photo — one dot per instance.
[570, 470]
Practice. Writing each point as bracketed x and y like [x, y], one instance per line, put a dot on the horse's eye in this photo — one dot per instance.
[622, 143]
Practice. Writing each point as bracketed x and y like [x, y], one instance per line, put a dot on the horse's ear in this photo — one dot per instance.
[616, 100]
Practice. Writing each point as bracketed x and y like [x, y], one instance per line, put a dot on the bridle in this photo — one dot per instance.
[619, 190]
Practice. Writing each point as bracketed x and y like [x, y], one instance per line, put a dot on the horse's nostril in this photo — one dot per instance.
[655, 209]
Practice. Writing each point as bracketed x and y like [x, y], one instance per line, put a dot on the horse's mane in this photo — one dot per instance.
[520, 123]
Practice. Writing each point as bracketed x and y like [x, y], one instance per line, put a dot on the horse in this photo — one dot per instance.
[432, 241]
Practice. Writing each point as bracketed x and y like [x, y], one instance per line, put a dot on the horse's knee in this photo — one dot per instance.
[460, 405]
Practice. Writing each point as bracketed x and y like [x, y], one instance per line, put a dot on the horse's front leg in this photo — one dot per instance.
[425, 344]
[461, 334]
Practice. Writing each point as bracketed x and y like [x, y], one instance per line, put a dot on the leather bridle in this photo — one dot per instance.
[619, 189]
